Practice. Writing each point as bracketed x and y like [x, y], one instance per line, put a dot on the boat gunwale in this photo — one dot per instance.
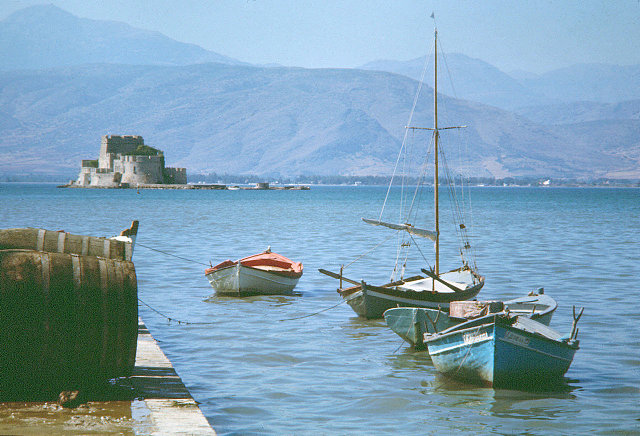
[499, 320]
[285, 273]
[432, 296]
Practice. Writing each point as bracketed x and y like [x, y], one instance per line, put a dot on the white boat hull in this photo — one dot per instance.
[242, 280]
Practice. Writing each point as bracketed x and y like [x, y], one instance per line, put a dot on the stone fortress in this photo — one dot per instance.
[125, 161]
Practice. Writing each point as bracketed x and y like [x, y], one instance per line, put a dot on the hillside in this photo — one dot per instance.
[581, 112]
[475, 80]
[65, 81]
[479, 81]
[46, 36]
[237, 119]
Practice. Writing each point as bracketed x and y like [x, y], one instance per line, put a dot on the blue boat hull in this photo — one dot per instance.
[499, 355]
[411, 323]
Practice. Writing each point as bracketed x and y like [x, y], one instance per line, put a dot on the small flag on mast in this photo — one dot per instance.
[432, 15]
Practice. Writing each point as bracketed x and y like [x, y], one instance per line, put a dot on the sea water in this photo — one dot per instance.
[306, 364]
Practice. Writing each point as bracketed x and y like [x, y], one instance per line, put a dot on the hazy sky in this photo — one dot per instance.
[531, 35]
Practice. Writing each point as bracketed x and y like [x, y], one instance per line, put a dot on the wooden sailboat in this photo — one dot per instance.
[432, 289]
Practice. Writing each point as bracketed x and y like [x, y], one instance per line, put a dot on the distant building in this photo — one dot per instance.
[125, 161]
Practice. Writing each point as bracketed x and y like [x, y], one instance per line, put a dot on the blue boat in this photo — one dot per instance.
[503, 351]
[411, 323]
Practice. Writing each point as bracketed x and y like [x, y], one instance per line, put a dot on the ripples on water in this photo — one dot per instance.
[262, 367]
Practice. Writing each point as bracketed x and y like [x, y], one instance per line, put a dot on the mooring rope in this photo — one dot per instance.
[313, 314]
[174, 319]
[170, 254]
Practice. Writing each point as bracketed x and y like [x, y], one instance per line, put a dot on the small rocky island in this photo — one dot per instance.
[126, 162]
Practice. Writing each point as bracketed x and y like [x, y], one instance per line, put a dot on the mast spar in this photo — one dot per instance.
[436, 133]
[435, 150]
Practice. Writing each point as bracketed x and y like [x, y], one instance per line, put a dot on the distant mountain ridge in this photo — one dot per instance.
[46, 36]
[581, 112]
[281, 121]
[67, 81]
[479, 81]
[476, 80]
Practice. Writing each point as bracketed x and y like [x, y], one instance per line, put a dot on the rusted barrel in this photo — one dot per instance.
[66, 321]
[62, 242]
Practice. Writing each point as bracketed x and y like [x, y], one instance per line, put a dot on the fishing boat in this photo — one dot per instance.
[433, 288]
[264, 273]
[411, 323]
[503, 350]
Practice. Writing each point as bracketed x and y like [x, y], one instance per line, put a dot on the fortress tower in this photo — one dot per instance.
[125, 161]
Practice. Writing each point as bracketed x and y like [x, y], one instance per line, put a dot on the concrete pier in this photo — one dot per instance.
[171, 408]
[161, 404]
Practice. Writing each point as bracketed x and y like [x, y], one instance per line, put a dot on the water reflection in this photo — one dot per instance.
[532, 405]
[359, 328]
[272, 300]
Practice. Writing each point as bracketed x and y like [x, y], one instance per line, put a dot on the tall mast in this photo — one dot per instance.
[435, 132]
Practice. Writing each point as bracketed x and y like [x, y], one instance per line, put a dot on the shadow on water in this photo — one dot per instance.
[525, 402]
[273, 300]
[359, 328]
[410, 359]
[551, 388]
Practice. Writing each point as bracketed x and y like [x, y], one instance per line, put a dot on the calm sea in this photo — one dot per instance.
[259, 367]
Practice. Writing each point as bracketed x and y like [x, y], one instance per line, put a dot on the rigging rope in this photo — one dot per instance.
[363, 255]
[404, 139]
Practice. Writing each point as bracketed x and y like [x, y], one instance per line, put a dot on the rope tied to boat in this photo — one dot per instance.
[170, 254]
[313, 314]
[174, 319]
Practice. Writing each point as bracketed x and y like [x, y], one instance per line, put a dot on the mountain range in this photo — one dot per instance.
[66, 81]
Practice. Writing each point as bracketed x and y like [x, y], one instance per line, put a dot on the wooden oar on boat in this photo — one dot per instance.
[447, 284]
[354, 282]
[338, 276]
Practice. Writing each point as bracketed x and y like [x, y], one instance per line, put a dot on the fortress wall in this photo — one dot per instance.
[105, 160]
[112, 145]
[115, 166]
[176, 176]
[117, 144]
[141, 169]
[84, 178]
[105, 179]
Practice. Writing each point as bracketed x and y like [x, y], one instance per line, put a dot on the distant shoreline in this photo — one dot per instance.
[306, 186]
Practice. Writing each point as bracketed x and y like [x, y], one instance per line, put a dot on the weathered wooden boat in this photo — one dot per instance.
[411, 323]
[502, 350]
[118, 247]
[433, 289]
[371, 301]
[71, 304]
[264, 273]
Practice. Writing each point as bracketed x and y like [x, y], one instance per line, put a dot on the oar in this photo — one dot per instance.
[338, 276]
[435, 277]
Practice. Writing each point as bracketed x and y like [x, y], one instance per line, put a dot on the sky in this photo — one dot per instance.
[534, 35]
